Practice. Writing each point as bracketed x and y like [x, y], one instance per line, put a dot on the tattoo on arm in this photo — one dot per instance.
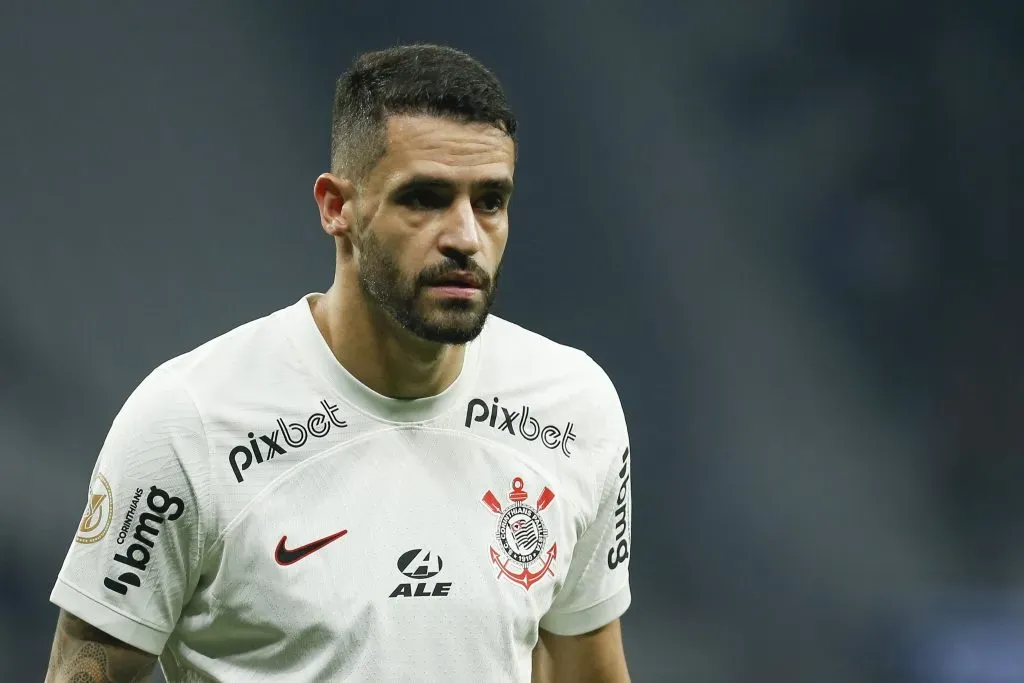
[84, 654]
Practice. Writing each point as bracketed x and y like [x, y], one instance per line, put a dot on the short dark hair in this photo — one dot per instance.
[430, 80]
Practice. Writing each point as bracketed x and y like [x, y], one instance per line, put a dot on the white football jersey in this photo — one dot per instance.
[256, 513]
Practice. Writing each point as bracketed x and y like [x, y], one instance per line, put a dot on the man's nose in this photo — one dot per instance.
[462, 230]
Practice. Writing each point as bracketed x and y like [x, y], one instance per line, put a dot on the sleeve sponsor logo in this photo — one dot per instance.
[98, 511]
[126, 526]
[619, 552]
[520, 423]
[163, 508]
[295, 435]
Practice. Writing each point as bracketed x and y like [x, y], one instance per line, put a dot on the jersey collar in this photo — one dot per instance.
[318, 355]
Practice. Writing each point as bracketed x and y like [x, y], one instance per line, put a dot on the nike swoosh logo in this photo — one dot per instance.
[285, 557]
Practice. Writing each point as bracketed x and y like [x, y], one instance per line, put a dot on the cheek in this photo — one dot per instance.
[388, 241]
[498, 238]
[411, 257]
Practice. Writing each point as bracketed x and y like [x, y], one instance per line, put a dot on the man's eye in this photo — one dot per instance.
[491, 203]
[424, 200]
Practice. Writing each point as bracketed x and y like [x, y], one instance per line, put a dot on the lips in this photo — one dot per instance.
[459, 279]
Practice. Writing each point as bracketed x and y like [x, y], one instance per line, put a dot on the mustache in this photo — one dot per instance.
[440, 271]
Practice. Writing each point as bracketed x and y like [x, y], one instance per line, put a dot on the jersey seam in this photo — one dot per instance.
[597, 391]
[113, 609]
[284, 476]
[201, 559]
[608, 484]
[545, 471]
[475, 437]
[338, 447]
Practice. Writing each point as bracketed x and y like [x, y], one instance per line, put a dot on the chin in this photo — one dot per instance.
[450, 331]
[451, 337]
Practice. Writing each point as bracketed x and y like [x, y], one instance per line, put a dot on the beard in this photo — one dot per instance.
[447, 321]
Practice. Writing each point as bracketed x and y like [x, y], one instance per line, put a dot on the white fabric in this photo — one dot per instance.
[440, 574]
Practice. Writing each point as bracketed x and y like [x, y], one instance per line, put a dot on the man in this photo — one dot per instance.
[377, 483]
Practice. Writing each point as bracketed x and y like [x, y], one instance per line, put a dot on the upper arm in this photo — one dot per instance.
[136, 557]
[85, 654]
[594, 657]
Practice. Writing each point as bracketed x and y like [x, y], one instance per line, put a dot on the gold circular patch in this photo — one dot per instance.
[98, 512]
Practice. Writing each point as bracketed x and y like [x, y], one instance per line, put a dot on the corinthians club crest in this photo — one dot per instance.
[521, 535]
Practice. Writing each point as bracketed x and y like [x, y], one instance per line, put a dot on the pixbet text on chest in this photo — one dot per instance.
[520, 423]
[294, 435]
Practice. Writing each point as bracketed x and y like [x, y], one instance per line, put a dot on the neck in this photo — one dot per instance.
[378, 352]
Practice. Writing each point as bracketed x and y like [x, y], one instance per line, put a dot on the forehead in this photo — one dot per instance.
[442, 148]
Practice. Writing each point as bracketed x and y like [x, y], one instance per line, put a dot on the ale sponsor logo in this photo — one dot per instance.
[420, 565]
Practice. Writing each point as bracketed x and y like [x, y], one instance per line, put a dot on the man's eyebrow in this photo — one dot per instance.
[502, 185]
[421, 182]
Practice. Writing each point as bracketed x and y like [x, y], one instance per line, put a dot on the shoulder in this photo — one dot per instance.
[225, 359]
[171, 400]
[560, 387]
[553, 402]
[520, 357]
[529, 353]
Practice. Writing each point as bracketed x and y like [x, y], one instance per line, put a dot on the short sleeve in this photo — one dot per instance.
[596, 590]
[135, 558]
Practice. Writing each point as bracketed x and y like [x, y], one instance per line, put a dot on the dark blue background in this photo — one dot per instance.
[790, 231]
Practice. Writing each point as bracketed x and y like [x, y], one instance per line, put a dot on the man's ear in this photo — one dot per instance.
[335, 197]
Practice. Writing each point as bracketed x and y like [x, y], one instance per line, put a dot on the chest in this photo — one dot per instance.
[403, 534]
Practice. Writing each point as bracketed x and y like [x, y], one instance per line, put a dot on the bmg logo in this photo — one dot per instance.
[163, 508]
[512, 420]
[619, 552]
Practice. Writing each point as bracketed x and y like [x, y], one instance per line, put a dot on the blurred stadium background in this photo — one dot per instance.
[791, 231]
